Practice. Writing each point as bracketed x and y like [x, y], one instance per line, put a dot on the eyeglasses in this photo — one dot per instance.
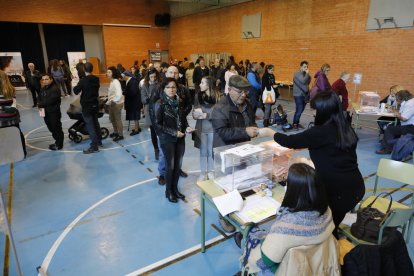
[171, 87]
[239, 91]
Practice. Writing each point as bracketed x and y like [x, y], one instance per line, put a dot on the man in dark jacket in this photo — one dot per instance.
[232, 117]
[200, 72]
[233, 121]
[80, 67]
[33, 77]
[89, 86]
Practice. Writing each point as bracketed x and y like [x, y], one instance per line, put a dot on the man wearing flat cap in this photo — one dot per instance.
[232, 118]
[233, 121]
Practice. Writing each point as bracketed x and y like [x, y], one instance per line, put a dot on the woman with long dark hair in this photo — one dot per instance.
[149, 89]
[303, 219]
[171, 125]
[332, 146]
[115, 102]
[269, 83]
[204, 102]
[59, 76]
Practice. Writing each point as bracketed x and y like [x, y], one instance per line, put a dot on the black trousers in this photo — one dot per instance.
[53, 123]
[68, 83]
[154, 138]
[35, 94]
[393, 132]
[173, 154]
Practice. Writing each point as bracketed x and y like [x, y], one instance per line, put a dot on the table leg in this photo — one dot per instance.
[203, 222]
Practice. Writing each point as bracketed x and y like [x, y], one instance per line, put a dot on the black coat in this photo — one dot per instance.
[199, 74]
[49, 99]
[132, 102]
[166, 123]
[33, 81]
[89, 86]
[390, 258]
[229, 124]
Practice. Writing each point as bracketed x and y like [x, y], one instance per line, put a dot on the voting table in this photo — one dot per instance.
[370, 116]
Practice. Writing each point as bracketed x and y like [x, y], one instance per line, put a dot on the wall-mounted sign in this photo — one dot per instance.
[155, 56]
[357, 78]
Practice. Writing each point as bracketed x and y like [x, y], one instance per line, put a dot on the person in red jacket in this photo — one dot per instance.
[339, 86]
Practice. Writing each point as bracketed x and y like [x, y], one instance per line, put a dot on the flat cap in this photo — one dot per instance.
[239, 82]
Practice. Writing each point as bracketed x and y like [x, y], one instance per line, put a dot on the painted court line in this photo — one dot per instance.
[174, 257]
[46, 262]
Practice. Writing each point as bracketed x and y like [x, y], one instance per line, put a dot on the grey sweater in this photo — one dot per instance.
[300, 84]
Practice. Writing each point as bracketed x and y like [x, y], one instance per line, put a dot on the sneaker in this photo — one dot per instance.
[227, 226]
[210, 175]
[161, 180]
[118, 138]
[91, 150]
[113, 135]
[55, 147]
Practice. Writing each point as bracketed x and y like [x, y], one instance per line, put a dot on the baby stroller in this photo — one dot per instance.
[78, 129]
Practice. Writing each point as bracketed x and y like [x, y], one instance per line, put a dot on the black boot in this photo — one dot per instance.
[169, 194]
[157, 154]
[178, 194]
[266, 122]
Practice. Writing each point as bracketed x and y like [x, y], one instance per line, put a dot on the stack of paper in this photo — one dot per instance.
[228, 203]
[257, 208]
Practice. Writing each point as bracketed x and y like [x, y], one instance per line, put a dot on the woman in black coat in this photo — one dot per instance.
[171, 125]
[332, 147]
[132, 103]
[269, 83]
[49, 101]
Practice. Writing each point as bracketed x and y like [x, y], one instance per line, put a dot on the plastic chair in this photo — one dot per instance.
[401, 215]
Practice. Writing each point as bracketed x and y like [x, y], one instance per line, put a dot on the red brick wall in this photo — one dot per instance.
[121, 44]
[124, 45]
[318, 31]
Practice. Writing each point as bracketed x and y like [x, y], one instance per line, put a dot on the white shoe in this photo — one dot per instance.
[202, 177]
[210, 175]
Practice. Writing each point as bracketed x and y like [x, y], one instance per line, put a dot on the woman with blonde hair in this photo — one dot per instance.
[321, 83]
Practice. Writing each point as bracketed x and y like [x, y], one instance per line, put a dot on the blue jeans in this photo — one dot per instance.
[206, 152]
[161, 161]
[93, 128]
[300, 106]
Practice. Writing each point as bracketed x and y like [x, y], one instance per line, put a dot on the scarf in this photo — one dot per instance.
[174, 104]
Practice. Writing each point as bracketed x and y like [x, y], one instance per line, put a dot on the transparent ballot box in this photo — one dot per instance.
[369, 101]
[242, 166]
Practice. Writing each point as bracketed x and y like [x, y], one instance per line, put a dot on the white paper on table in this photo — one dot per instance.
[228, 203]
[257, 208]
[42, 112]
[349, 219]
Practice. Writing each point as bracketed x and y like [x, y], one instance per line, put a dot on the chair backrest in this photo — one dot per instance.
[398, 217]
[396, 170]
[318, 259]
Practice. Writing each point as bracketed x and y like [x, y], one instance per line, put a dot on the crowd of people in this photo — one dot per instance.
[224, 100]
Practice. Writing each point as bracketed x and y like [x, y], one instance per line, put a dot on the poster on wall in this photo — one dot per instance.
[73, 58]
[15, 70]
[155, 56]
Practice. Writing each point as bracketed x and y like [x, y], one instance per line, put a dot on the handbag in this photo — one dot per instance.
[369, 222]
[269, 96]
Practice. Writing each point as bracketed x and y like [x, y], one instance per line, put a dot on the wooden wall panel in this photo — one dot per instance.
[82, 12]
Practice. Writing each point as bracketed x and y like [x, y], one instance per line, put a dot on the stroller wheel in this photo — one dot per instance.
[70, 137]
[104, 132]
[77, 138]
